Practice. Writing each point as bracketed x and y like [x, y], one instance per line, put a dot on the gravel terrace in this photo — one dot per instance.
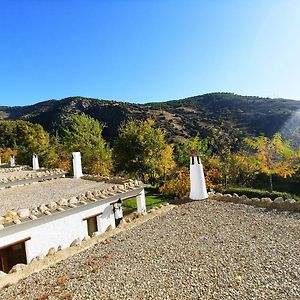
[19, 173]
[45, 192]
[198, 250]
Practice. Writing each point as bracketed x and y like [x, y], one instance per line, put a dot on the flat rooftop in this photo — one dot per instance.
[33, 195]
[199, 250]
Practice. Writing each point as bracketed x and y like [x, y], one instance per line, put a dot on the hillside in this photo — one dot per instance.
[200, 115]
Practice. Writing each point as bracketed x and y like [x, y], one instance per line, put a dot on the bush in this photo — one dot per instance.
[178, 186]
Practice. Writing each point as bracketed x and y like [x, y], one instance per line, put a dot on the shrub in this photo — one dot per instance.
[178, 186]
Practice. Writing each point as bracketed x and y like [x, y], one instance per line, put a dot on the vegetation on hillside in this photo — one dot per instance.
[142, 150]
[204, 116]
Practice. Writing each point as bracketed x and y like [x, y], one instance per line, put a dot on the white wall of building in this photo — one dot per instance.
[61, 231]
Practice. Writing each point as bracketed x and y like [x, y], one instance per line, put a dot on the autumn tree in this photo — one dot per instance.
[141, 151]
[84, 134]
[274, 156]
[234, 168]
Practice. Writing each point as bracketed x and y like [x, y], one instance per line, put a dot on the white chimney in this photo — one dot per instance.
[35, 162]
[12, 161]
[141, 202]
[198, 187]
[77, 168]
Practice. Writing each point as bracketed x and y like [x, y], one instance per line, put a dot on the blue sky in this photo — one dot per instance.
[148, 50]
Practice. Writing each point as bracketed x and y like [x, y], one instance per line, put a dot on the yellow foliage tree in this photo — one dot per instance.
[274, 156]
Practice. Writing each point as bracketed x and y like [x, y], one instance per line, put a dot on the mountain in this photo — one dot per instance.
[200, 115]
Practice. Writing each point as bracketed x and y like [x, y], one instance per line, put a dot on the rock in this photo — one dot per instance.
[244, 197]
[59, 248]
[122, 223]
[96, 233]
[52, 205]
[278, 200]
[17, 268]
[43, 208]
[290, 200]
[62, 202]
[255, 199]
[89, 195]
[40, 257]
[35, 211]
[73, 200]
[227, 195]
[235, 195]
[86, 238]
[2, 273]
[210, 194]
[266, 200]
[10, 215]
[76, 243]
[24, 213]
[51, 251]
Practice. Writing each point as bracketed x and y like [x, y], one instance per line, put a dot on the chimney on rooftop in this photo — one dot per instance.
[197, 180]
[35, 162]
[77, 168]
[12, 161]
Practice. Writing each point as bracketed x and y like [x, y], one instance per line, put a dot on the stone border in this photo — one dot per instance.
[278, 203]
[21, 271]
[4, 169]
[35, 174]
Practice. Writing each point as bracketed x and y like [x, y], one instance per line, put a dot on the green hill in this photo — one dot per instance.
[200, 115]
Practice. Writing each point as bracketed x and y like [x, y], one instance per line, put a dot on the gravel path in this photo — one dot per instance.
[45, 192]
[199, 250]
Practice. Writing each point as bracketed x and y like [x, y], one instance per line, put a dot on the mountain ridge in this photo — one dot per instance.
[183, 118]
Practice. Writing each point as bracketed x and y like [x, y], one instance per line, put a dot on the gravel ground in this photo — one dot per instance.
[45, 192]
[199, 250]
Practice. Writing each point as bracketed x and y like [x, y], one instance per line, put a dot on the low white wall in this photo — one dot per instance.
[61, 231]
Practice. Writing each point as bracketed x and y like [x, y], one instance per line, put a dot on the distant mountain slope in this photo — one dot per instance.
[200, 115]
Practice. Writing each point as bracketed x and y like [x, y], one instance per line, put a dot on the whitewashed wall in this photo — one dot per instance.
[59, 232]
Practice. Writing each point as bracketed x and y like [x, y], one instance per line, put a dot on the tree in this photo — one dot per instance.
[84, 134]
[25, 139]
[274, 156]
[141, 151]
[183, 150]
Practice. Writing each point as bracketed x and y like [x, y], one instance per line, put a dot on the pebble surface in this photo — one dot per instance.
[45, 192]
[198, 250]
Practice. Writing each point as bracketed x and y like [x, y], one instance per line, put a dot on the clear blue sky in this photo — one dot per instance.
[148, 50]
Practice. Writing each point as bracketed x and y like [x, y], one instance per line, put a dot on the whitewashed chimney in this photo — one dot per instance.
[141, 203]
[77, 168]
[197, 180]
[35, 162]
[12, 161]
